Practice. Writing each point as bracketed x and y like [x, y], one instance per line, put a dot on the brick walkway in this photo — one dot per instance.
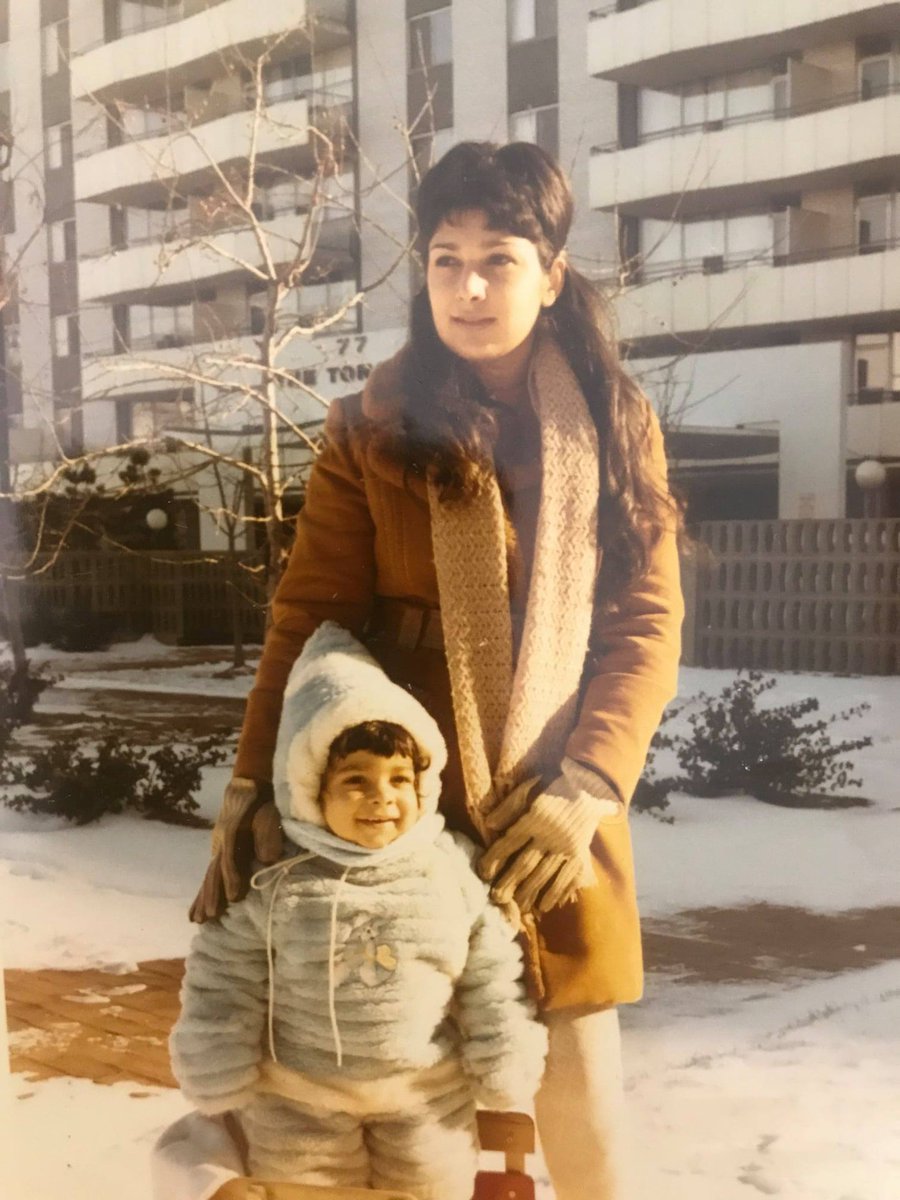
[110, 1028]
[93, 1024]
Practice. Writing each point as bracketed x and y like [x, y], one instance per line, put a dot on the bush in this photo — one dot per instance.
[652, 792]
[652, 796]
[770, 753]
[68, 629]
[82, 780]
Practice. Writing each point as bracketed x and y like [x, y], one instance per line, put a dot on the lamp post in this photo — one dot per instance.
[870, 475]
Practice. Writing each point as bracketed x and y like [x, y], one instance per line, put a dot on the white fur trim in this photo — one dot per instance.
[335, 684]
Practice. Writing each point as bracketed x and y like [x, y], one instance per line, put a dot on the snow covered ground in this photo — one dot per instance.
[784, 1087]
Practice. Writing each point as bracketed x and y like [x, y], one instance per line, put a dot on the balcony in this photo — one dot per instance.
[138, 172]
[186, 47]
[663, 43]
[173, 268]
[160, 368]
[809, 293]
[769, 113]
[711, 167]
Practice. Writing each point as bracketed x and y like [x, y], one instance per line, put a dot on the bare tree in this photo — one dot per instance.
[282, 217]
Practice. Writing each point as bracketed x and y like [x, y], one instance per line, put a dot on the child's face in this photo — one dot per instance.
[369, 799]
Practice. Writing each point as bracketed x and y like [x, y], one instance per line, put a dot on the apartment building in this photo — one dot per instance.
[142, 292]
[755, 175]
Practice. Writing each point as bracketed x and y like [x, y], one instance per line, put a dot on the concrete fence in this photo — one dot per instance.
[780, 595]
[183, 597]
[811, 595]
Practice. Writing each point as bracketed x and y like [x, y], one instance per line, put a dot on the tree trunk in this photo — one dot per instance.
[272, 465]
[13, 619]
[20, 691]
[238, 657]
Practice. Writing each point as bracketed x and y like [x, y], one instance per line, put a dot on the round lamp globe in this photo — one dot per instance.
[156, 519]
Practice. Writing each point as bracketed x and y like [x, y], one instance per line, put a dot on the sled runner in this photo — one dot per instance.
[509, 1132]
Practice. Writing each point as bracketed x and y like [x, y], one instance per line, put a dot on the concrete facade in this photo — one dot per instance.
[133, 116]
[755, 177]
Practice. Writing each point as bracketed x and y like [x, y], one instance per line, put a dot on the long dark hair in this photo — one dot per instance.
[447, 428]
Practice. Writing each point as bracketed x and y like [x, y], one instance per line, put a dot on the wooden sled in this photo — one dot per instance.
[509, 1132]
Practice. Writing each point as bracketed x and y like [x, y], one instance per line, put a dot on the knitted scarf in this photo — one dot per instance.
[513, 719]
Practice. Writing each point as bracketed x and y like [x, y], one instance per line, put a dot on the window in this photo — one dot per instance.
[693, 104]
[658, 111]
[62, 241]
[154, 224]
[781, 95]
[65, 336]
[781, 232]
[704, 240]
[702, 103]
[875, 76]
[748, 238]
[709, 245]
[661, 242]
[160, 326]
[53, 46]
[749, 92]
[430, 39]
[334, 84]
[877, 367]
[311, 304]
[716, 91]
[292, 195]
[57, 145]
[873, 222]
[528, 19]
[521, 20]
[538, 125]
[135, 15]
[151, 418]
[140, 122]
[287, 80]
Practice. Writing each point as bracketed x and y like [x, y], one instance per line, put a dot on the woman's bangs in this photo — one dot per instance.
[506, 210]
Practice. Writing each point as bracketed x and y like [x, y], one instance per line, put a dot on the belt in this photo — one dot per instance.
[411, 626]
[408, 626]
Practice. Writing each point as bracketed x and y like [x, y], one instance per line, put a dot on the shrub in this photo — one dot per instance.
[83, 780]
[652, 792]
[68, 628]
[771, 753]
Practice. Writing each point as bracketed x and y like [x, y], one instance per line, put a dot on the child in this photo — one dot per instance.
[366, 994]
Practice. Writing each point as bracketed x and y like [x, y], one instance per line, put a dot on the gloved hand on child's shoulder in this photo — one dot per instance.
[247, 829]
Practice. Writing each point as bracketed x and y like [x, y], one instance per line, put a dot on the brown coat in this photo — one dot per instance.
[363, 534]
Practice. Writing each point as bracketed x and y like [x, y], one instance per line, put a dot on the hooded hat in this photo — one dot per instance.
[334, 685]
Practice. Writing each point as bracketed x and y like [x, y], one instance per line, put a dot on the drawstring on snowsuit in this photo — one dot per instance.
[258, 882]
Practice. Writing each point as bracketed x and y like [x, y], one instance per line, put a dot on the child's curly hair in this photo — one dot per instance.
[379, 737]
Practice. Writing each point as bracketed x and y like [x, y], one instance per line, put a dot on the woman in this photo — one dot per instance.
[491, 514]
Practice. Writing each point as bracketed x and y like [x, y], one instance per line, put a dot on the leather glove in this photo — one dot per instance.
[542, 859]
[246, 828]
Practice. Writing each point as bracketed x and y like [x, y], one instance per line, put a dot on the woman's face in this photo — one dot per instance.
[486, 288]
